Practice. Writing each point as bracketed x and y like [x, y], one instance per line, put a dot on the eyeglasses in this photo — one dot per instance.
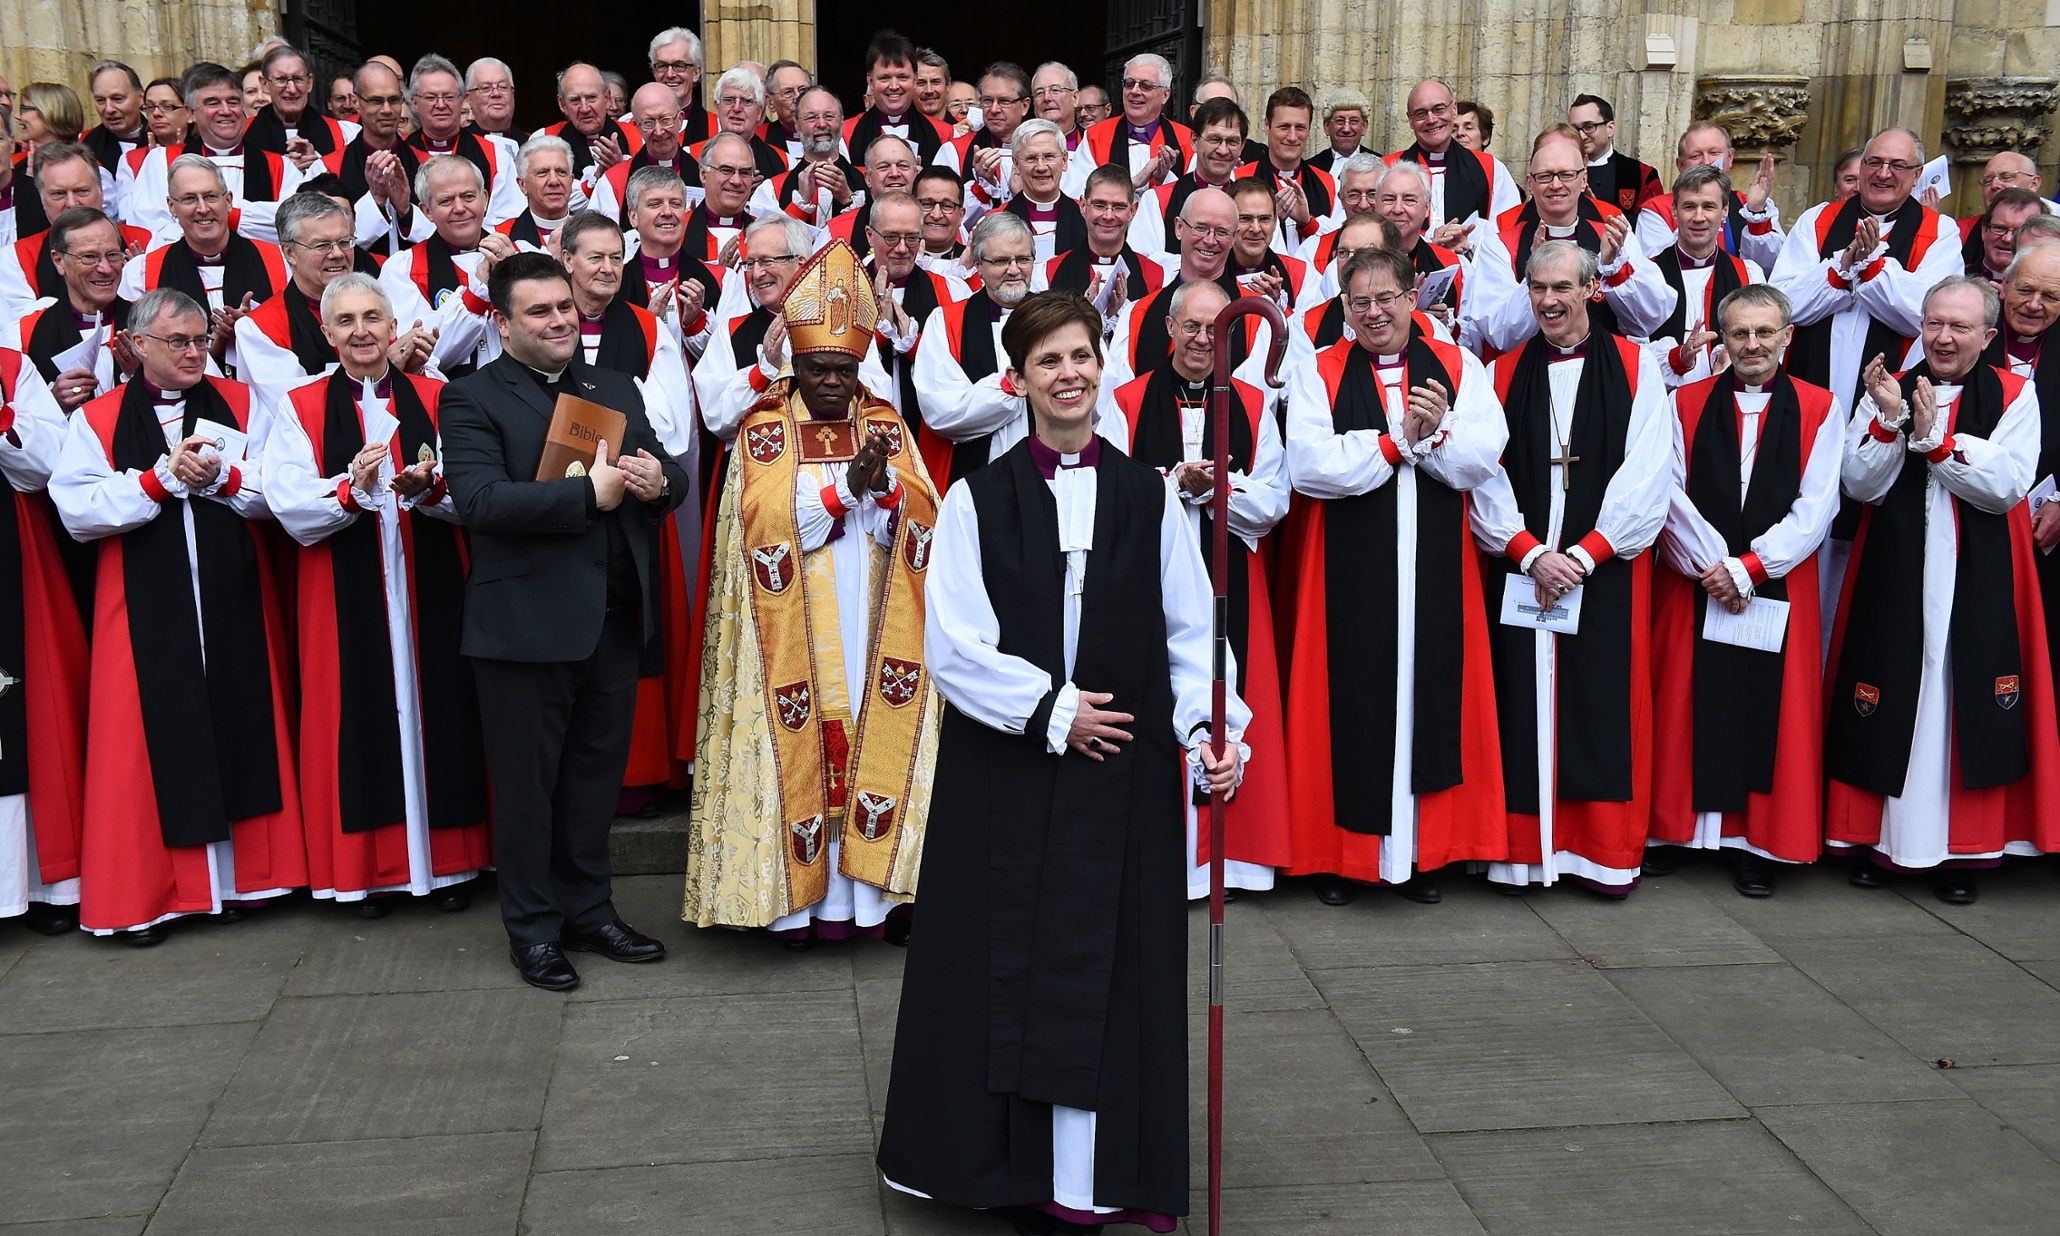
[936, 206]
[1435, 109]
[113, 257]
[2005, 179]
[1041, 159]
[1188, 330]
[1589, 128]
[673, 68]
[496, 88]
[735, 100]
[1010, 263]
[433, 100]
[1223, 141]
[162, 109]
[766, 261]
[2000, 231]
[1557, 178]
[1206, 233]
[1365, 304]
[723, 172]
[379, 102]
[292, 79]
[897, 240]
[1763, 334]
[1900, 168]
[324, 246]
[988, 102]
[790, 93]
[659, 124]
[1141, 83]
[179, 343]
[193, 201]
[1049, 92]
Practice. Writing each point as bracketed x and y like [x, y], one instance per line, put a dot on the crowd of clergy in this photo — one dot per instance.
[1604, 517]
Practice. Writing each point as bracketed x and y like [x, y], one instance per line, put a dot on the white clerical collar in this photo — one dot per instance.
[1388, 361]
[1747, 388]
[1558, 233]
[1604, 157]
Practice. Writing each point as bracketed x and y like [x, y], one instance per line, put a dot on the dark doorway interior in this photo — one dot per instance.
[970, 36]
[537, 38]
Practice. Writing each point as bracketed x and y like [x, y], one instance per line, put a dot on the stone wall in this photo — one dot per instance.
[57, 40]
[764, 30]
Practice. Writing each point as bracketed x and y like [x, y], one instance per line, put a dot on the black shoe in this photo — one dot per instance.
[1030, 1221]
[1333, 890]
[615, 940]
[544, 965]
[1663, 860]
[452, 897]
[144, 937]
[898, 927]
[1752, 876]
[800, 944]
[1229, 895]
[1955, 888]
[48, 920]
[1866, 875]
[229, 914]
[374, 907]
[1419, 889]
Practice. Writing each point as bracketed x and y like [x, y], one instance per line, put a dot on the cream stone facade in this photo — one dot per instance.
[58, 40]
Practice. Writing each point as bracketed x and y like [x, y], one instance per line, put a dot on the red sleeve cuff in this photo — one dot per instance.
[234, 484]
[1941, 452]
[695, 327]
[1880, 432]
[152, 486]
[889, 500]
[1618, 279]
[1392, 452]
[1754, 570]
[1521, 545]
[437, 492]
[1680, 359]
[1760, 227]
[1008, 387]
[833, 502]
[344, 498]
[474, 305]
[758, 379]
[1837, 280]
[6, 417]
[1597, 548]
[1873, 268]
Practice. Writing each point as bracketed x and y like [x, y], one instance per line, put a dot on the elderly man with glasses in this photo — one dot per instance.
[436, 94]
[226, 273]
[490, 91]
[1153, 146]
[676, 64]
[598, 142]
[740, 97]
[1464, 183]
[654, 110]
[293, 123]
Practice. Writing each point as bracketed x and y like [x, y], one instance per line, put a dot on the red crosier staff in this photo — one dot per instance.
[1224, 407]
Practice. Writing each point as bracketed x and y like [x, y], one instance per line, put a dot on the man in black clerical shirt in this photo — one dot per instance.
[561, 597]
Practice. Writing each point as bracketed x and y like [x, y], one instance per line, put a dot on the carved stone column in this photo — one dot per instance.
[1988, 115]
[761, 30]
[1762, 113]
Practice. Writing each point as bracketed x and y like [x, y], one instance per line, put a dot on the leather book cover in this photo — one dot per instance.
[578, 427]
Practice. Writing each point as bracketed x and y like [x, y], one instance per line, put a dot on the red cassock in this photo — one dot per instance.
[1256, 826]
[342, 857]
[1459, 823]
[1787, 820]
[130, 877]
[53, 671]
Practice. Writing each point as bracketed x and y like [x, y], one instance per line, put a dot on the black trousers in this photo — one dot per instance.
[557, 743]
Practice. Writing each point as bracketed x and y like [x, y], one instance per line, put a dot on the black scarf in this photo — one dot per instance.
[244, 272]
[516, 136]
[1619, 180]
[304, 332]
[623, 346]
[259, 182]
[637, 290]
[1331, 326]
[1361, 594]
[351, 167]
[694, 238]
[267, 131]
[853, 179]
[919, 301]
[47, 279]
[1426, 260]
[921, 134]
[1737, 700]
[689, 171]
[1183, 188]
[522, 229]
[1070, 229]
[371, 788]
[1587, 234]
[1724, 280]
[2046, 379]
[1594, 680]
[107, 148]
[1076, 270]
[1467, 190]
[1883, 650]
[29, 220]
[209, 732]
[982, 140]
[56, 329]
[977, 359]
[582, 155]
[472, 149]
[1314, 191]
[1809, 357]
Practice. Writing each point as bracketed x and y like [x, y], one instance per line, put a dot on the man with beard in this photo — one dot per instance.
[982, 156]
[259, 179]
[1144, 139]
[281, 344]
[229, 274]
[1305, 197]
[890, 74]
[1613, 177]
[436, 94]
[1581, 494]
[907, 296]
[293, 123]
[1939, 741]
[449, 271]
[1701, 273]
[598, 143]
[66, 178]
[656, 115]
[822, 183]
[1388, 432]
[890, 167]
[1738, 735]
[1464, 183]
[490, 93]
[676, 57]
[392, 773]
[376, 169]
[1259, 268]
[543, 172]
[1993, 241]
[1752, 223]
[740, 109]
[785, 83]
[1055, 96]
[1108, 207]
[191, 799]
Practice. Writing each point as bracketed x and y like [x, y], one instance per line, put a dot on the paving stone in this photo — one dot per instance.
[409, 1064]
[879, 1006]
[1816, 903]
[1718, 1176]
[1301, 1106]
[915, 1216]
[2026, 1096]
[95, 1122]
[2018, 914]
[746, 1077]
[435, 1186]
[1415, 1207]
[712, 961]
[1260, 973]
[204, 973]
[2047, 972]
[831, 1195]
[113, 1225]
[1473, 924]
[1666, 922]
[15, 942]
[416, 948]
[1770, 1035]
[1517, 1045]
[1919, 1169]
[1940, 996]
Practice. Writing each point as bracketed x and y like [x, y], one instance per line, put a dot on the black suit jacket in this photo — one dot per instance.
[539, 580]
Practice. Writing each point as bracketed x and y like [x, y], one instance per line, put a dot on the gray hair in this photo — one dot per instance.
[431, 63]
[153, 305]
[539, 144]
[434, 168]
[1400, 167]
[354, 281]
[1916, 140]
[1072, 78]
[1187, 289]
[708, 147]
[895, 197]
[1702, 176]
[202, 162]
[2035, 231]
[1346, 99]
[1032, 128]
[1765, 295]
[739, 76]
[104, 66]
[582, 222]
[1362, 163]
[677, 34]
[998, 225]
[488, 62]
[1213, 78]
[301, 209]
[800, 240]
[645, 179]
[1554, 250]
[1160, 65]
[1991, 304]
[904, 143]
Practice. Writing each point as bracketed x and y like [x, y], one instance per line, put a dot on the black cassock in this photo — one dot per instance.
[1049, 966]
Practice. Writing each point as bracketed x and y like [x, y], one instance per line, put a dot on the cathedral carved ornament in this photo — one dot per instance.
[1988, 115]
[1761, 113]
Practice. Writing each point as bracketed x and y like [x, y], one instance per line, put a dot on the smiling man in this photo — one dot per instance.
[436, 94]
[656, 115]
[258, 179]
[449, 271]
[1701, 273]
[1464, 183]
[1613, 177]
[1143, 138]
[890, 74]
[227, 273]
[293, 124]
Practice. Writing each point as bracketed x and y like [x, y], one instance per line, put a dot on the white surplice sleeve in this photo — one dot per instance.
[1992, 473]
[954, 406]
[1872, 461]
[1812, 284]
[1189, 601]
[93, 499]
[1320, 461]
[305, 502]
[1634, 503]
[1782, 547]
[962, 635]
[1475, 432]
[1640, 295]
[1895, 296]
[39, 426]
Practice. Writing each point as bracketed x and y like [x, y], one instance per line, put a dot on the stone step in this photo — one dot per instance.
[655, 845]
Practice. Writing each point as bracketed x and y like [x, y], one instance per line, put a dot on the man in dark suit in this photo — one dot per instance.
[562, 595]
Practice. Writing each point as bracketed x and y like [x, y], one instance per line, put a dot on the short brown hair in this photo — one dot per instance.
[1248, 185]
[1043, 315]
[1550, 131]
[1483, 116]
[1289, 96]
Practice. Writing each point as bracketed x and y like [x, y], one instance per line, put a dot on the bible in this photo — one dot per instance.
[578, 427]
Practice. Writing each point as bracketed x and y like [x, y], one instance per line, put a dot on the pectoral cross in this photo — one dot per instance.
[8, 682]
[1564, 461]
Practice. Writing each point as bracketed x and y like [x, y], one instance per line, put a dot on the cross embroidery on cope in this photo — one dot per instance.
[828, 441]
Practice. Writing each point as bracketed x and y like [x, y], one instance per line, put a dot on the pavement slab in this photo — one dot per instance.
[2027, 1097]
[1940, 996]
[1669, 922]
[1473, 924]
[826, 1195]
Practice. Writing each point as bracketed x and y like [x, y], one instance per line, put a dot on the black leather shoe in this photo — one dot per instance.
[897, 929]
[374, 907]
[1419, 889]
[1866, 875]
[48, 920]
[1665, 860]
[1955, 888]
[145, 937]
[452, 897]
[615, 940]
[229, 914]
[1333, 890]
[544, 965]
[1752, 876]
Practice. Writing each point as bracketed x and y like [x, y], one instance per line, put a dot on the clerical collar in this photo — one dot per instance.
[656, 263]
[1049, 461]
[996, 311]
[380, 387]
[1393, 361]
[84, 321]
[1237, 266]
[1747, 388]
[162, 397]
[1284, 176]
[2026, 350]
[891, 121]
[1557, 232]
[716, 220]
[1194, 391]
[233, 152]
[1041, 212]
[1576, 352]
[548, 379]
[1690, 262]
[202, 259]
[435, 147]
[1141, 136]
[1435, 156]
[1603, 158]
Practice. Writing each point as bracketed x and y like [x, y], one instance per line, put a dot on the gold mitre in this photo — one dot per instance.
[830, 307]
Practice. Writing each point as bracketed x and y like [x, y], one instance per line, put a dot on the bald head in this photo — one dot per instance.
[2008, 170]
[652, 99]
[1208, 206]
[1431, 115]
[2031, 292]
